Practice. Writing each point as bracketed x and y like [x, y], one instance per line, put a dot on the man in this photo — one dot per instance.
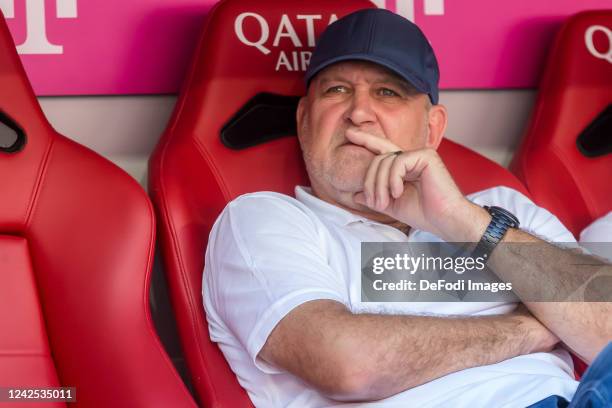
[282, 281]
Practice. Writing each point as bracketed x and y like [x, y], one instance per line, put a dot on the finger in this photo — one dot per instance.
[382, 182]
[407, 167]
[369, 184]
[376, 144]
[396, 182]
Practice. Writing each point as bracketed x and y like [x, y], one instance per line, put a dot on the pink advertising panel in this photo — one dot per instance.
[79, 47]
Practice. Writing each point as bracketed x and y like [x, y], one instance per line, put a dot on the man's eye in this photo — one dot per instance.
[387, 92]
[336, 89]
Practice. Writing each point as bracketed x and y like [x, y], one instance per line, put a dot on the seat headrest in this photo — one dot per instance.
[242, 90]
[25, 135]
[580, 70]
[246, 39]
[252, 47]
[566, 157]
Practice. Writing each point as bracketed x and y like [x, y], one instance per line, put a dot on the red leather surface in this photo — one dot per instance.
[192, 175]
[90, 234]
[25, 358]
[575, 88]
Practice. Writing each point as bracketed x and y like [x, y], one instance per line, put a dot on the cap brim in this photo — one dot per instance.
[403, 73]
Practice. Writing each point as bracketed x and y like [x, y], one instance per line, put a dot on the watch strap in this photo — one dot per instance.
[501, 221]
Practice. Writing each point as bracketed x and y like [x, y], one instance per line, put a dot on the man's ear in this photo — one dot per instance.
[437, 121]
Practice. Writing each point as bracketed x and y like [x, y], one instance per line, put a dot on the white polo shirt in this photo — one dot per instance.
[269, 253]
[599, 232]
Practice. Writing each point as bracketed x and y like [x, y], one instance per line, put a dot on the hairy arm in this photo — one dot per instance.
[544, 271]
[358, 357]
[416, 188]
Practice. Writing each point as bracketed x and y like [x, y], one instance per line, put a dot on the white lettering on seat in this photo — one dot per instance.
[296, 60]
[285, 29]
[310, 32]
[588, 40]
[299, 61]
[265, 31]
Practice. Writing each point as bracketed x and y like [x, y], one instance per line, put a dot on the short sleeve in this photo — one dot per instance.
[266, 256]
[599, 230]
[597, 237]
[533, 219]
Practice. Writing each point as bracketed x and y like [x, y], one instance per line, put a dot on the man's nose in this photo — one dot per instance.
[360, 111]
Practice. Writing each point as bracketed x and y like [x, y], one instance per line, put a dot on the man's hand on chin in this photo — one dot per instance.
[415, 187]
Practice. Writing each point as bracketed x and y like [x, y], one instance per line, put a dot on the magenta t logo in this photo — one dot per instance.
[405, 8]
[36, 41]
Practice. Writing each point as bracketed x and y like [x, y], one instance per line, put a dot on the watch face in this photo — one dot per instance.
[505, 214]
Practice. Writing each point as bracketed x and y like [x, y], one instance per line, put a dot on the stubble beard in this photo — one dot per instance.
[343, 171]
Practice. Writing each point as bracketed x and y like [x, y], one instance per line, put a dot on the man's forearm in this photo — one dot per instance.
[357, 357]
[406, 351]
[539, 270]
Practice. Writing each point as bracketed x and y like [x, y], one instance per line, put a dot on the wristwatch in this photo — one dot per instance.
[501, 220]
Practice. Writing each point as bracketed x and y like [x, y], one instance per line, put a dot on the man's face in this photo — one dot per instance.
[361, 96]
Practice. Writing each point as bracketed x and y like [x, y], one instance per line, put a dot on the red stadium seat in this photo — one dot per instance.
[76, 248]
[565, 158]
[193, 173]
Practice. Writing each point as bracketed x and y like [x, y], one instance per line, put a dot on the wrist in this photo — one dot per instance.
[533, 336]
[467, 223]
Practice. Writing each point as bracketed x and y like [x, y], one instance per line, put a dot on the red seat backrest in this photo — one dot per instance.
[576, 87]
[192, 174]
[76, 248]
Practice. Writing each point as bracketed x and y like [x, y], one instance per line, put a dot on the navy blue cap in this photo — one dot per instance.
[382, 37]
